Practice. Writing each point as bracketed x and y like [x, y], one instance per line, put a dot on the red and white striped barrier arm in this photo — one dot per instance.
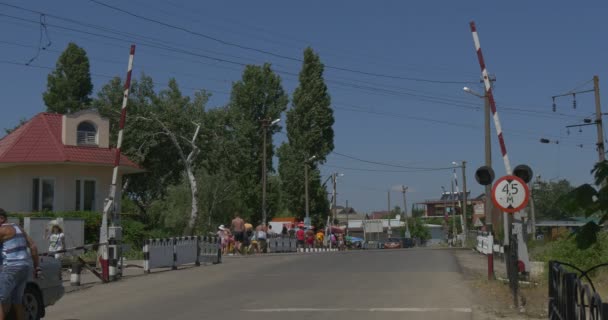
[490, 95]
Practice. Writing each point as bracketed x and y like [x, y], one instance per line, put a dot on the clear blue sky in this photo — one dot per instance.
[536, 51]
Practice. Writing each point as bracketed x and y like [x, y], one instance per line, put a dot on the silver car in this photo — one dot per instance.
[44, 291]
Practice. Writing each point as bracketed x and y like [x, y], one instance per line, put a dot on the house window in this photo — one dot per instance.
[43, 195]
[86, 134]
[85, 195]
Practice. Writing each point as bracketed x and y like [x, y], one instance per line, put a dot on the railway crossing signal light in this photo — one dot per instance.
[484, 175]
[524, 172]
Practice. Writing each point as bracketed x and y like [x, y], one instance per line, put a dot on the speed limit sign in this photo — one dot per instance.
[510, 194]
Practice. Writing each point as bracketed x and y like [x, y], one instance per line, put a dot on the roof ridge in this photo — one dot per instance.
[59, 145]
[22, 129]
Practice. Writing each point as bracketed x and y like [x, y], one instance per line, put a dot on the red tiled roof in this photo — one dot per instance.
[39, 141]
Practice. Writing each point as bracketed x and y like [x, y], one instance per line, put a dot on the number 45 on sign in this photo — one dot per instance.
[510, 194]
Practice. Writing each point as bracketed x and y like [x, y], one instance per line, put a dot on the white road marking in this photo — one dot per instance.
[463, 310]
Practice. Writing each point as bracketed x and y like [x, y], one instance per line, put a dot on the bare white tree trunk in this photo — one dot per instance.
[188, 168]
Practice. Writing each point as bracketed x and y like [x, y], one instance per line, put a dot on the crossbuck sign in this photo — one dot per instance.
[510, 194]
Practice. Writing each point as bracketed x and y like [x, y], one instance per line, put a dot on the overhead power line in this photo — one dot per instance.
[389, 164]
[240, 46]
[152, 42]
[382, 170]
[106, 76]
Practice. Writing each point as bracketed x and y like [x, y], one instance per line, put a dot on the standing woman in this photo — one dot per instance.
[56, 240]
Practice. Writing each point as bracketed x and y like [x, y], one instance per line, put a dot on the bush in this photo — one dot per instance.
[133, 232]
[566, 250]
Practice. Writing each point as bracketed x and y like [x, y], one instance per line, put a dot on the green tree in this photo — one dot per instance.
[310, 133]
[158, 135]
[257, 96]
[22, 121]
[395, 211]
[546, 196]
[417, 212]
[69, 86]
[592, 200]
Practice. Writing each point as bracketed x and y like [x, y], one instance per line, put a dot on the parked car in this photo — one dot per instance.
[393, 243]
[44, 291]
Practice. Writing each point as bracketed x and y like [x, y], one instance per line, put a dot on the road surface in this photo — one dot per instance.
[383, 284]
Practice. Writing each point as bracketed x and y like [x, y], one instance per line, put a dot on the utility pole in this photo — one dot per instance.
[488, 206]
[464, 203]
[390, 232]
[598, 119]
[346, 217]
[407, 226]
[454, 230]
[306, 190]
[265, 124]
[335, 211]
[306, 163]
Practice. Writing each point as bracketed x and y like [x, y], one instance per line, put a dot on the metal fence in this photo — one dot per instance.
[174, 252]
[570, 298]
[282, 244]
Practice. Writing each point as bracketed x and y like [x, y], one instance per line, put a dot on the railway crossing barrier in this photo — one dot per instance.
[177, 251]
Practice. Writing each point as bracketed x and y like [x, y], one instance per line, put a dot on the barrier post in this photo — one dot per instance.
[112, 252]
[174, 242]
[219, 250]
[197, 262]
[75, 275]
[146, 256]
[105, 273]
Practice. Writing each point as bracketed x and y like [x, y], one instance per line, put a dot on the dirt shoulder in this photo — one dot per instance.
[494, 297]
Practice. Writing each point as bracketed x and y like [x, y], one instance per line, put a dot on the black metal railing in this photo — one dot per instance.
[570, 297]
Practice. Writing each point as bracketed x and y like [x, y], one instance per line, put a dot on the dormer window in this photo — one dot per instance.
[86, 134]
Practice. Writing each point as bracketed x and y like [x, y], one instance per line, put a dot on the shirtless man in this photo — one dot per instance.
[16, 266]
[238, 229]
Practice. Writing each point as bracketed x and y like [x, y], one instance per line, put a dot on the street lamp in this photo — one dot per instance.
[306, 163]
[265, 124]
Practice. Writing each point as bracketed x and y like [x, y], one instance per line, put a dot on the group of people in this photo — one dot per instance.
[17, 263]
[307, 238]
[243, 238]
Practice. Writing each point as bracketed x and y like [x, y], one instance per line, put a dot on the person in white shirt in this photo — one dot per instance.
[56, 241]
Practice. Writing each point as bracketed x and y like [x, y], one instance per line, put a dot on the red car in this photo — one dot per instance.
[393, 243]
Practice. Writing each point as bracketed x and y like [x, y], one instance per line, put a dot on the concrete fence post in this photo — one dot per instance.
[174, 242]
[219, 249]
[197, 262]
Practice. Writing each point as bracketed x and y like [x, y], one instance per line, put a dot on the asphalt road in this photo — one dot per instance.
[403, 284]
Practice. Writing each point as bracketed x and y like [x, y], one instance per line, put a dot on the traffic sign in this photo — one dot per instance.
[478, 223]
[510, 194]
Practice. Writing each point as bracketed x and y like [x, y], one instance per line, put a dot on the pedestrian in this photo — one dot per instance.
[300, 236]
[223, 235]
[238, 230]
[310, 238]
[16, 266]
[270, 232]
[56, 240]
[284, 231]
[247, 238]
[333, 240]
[261, 236]
[320, 236]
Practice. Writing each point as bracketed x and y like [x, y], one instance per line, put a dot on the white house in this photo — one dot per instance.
[59, 162]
